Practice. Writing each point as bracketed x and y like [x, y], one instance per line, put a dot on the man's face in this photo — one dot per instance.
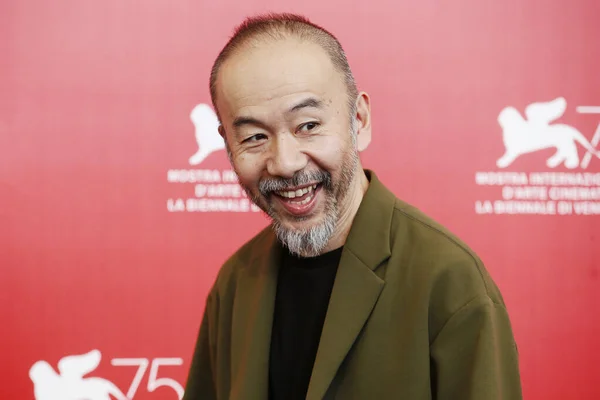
[287, 125]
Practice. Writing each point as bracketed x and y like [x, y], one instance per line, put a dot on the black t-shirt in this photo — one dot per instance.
[303, 290]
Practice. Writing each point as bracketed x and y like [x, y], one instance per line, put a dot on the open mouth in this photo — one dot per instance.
[299, 201]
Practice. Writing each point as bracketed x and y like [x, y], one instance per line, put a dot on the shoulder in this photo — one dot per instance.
[451, 273]
[243, 258]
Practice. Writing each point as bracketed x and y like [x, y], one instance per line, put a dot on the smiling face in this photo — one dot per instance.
[293, 141]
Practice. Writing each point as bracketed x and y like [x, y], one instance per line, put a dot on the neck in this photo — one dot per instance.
[352, 201]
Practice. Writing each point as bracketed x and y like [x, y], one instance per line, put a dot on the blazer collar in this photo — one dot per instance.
[356, 288]
[369, 237]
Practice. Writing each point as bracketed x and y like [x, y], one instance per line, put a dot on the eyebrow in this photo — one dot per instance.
[310, 102]
[239, 121]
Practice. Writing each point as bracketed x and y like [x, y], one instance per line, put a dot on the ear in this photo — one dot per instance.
[222, 132]
[363, 121]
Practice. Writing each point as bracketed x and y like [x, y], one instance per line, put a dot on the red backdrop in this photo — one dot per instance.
[111, 237]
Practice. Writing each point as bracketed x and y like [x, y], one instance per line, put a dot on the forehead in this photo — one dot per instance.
[264, 74]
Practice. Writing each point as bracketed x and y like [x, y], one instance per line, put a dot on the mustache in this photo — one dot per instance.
[300, 178]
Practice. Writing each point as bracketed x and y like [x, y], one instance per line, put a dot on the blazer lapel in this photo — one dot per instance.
[252, 323]
[355, 292]
[356, 288]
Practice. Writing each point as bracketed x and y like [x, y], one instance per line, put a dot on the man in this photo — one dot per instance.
[351, 293]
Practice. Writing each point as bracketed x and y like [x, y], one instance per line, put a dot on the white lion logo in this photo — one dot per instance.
[535, 133]
[70, 383]
[207, 133]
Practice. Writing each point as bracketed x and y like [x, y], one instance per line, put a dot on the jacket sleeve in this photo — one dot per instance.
[475, 356]
[201, 379]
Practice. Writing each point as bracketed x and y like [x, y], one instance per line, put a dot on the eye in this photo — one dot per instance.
[254, 138]
[309, 126]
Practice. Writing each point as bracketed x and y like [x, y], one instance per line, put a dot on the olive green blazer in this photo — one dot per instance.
[413, 315]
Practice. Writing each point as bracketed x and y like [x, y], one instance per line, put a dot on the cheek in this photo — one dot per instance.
[329, 153]
[248, 169]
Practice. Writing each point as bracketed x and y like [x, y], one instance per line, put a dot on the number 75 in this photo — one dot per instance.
[153, 381]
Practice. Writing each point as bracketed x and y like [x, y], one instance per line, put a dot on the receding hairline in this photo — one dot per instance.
[274, 27]
[266, 45]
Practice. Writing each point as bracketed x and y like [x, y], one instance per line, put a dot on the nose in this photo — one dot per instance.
[285, 158]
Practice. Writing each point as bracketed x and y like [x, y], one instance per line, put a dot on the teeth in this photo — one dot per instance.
[306, 200]
[291, 194]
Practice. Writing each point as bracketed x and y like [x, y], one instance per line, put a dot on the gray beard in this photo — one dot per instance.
[308, 242]
[311, 242]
